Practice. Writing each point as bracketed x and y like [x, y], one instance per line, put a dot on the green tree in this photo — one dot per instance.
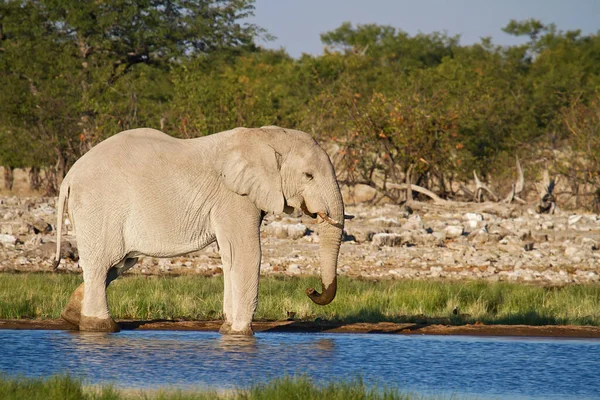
[391, 46]
[89, 65]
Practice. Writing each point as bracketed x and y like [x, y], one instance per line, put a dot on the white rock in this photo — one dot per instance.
[23, 261]
[384, 221]
[473, 217]
[472, 225]
[453, 231]
[387, 239]
[266, 267]
[358, 194]
[293, 269]
[440, 236]
[573, 219]
[282, 230]
[571, 251]
[548, 225]
[296, 231]
[414, 223]
[8, 239]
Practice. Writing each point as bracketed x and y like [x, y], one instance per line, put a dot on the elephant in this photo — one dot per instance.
[142, 192]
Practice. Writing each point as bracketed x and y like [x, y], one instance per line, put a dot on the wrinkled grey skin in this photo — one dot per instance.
[142, 192]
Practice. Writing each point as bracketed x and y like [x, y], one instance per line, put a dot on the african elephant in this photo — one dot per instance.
[143, 192]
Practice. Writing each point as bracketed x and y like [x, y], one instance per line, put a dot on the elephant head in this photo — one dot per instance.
[279, 170]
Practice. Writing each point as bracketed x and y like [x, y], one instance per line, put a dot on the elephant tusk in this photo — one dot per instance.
[326, 218]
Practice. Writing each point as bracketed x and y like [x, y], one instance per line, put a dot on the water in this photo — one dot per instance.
[463, 366]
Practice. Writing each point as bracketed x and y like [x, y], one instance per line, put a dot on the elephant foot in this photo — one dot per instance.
[227, 329]
[92, 324]
[72, 311]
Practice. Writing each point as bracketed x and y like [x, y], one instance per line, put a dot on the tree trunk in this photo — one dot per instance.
[55, 175]
[8, 178]
[34, 178]
[50, 182]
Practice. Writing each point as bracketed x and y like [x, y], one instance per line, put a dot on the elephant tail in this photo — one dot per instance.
[60, 209]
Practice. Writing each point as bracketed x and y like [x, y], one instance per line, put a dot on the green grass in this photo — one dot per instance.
[200, 298]
[68, 388]
[52, 388]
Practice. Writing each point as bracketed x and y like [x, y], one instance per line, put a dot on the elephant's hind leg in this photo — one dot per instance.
[72, 311]
[95, 316]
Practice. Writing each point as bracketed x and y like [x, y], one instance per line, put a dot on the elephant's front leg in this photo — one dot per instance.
[227, 297]
[241, 268]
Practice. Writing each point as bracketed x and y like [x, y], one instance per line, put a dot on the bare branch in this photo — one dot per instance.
[466, 191]
[516, 187]
[409, 197]
[419, 189]
[480, 187]
[521, 181]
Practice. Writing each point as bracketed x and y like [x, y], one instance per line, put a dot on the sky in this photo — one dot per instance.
[297, 24]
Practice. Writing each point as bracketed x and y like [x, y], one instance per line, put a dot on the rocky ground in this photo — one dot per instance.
[490, 241]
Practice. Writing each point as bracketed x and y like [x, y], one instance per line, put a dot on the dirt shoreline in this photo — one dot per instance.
[555, 331]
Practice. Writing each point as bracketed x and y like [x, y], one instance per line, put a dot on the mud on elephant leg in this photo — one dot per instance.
[72, 311]
[94, 324]
[94, 311]
[95, 316]
[72, 314]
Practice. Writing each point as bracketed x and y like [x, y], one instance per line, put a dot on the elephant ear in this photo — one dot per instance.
[254, 171]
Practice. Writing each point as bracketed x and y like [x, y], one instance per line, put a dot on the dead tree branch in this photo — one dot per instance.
[517, 187]
[480, 187]
[409, 196]
[403, 186]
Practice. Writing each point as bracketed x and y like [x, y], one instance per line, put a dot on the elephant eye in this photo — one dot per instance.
[308, 176]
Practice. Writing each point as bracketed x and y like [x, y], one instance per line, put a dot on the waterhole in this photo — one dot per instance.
[481, 367]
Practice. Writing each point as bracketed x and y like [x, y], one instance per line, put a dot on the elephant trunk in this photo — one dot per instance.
[330, 228]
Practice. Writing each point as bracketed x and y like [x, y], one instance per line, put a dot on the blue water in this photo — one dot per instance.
[463, 366]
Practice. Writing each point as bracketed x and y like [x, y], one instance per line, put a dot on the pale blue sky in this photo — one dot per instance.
[299, 23]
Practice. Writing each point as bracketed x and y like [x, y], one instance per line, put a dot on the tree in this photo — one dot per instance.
[83, 60]
[391, 46]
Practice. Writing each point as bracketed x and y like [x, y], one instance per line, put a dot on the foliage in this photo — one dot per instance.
[78, 72]
[380, 99]
[200, 298]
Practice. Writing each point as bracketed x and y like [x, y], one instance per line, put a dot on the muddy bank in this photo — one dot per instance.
[558, 331]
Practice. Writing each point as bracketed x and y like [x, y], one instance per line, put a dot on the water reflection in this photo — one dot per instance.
[480, 366]
[237, 344]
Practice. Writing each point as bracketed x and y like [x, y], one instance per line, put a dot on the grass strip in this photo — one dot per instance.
[43, 296]
[288, 388]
